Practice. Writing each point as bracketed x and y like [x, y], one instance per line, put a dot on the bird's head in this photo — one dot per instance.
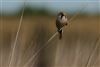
[62, 16]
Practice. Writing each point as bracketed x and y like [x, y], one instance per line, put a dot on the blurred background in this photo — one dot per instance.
[27, 25]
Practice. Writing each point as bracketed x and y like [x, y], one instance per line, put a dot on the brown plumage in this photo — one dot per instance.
[60, 22]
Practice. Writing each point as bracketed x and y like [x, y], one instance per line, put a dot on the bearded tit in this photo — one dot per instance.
[61, 21]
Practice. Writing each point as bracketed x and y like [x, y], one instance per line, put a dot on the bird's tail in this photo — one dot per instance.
[60, 34]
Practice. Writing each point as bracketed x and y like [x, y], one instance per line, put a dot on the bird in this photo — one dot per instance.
[61, 21]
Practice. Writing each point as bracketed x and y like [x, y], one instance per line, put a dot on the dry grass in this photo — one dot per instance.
[78, 48]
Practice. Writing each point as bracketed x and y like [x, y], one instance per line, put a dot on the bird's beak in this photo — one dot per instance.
[66, 24]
